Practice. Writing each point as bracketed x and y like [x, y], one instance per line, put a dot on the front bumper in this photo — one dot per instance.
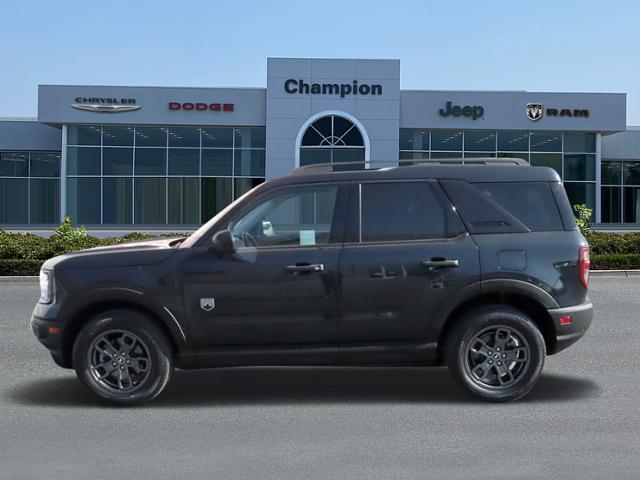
[54, 342]
[566, 335]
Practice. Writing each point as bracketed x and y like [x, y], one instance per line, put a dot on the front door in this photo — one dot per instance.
[407, 254]
[279, 290]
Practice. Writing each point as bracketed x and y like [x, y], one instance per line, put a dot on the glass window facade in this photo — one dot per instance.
[29, 188]
[330, 139]
[571, 154]
[156, 176]
[620, 190]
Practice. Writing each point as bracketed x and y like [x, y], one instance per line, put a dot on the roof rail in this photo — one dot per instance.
[338, 167]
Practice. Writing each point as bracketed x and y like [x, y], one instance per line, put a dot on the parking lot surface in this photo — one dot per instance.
[581, 421]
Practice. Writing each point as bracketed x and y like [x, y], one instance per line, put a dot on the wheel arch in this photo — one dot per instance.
[82, 314]
[532, 307]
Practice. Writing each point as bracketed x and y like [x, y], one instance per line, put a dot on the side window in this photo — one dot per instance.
[297, 217]
[397, 211]
[532, 203]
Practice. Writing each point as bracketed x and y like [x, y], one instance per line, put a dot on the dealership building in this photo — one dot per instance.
[168, 158]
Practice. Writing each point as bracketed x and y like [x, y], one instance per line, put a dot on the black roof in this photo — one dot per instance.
[470, 173]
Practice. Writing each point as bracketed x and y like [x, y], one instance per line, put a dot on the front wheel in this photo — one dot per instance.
[496, 353]
[122, 357]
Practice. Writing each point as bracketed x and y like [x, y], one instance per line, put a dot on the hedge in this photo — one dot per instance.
[616, 261]
[19, 267]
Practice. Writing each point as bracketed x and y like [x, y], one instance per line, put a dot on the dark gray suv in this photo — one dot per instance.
[479, 267]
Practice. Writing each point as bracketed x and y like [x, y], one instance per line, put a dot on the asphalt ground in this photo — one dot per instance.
[581, 421]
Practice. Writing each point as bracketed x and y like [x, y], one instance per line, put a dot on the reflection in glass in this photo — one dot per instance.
[414, 139]
[610, 204]
[83, 161]
[243, 185]
[217, 162]
[581, 193]
[118, 136]
[14, 201]
[611, 173]
[83, 200]
[480, 140]
[215, 195]
[546, 141]
[553, 160]
[45, 164]
[579, 142]
[44, 201]
[117, 161]
[116, 201]
[83, 135]
[150, 201]
[151, 161]
[14, 164]
[184, 161]
[183, 201]
[513, 140]
[151, 136]
[250, 137]
[632, 173]
[219, 137]
[579, 167]
[184, 137]
[446, 140]
[249, 163]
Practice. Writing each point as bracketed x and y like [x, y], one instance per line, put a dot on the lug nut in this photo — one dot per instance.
[128, 362]
[121, 368]
[114, 364]
[499, 363]
[504, 355]
[490, 362]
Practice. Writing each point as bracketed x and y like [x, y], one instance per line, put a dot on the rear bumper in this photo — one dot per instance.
[566, 335]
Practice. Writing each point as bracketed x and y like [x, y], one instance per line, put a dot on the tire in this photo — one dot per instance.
[495, 353]
[122, 357]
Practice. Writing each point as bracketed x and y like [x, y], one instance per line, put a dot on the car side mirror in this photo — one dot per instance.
[223, 243]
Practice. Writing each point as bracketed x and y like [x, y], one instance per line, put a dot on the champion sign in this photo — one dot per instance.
[201, 106]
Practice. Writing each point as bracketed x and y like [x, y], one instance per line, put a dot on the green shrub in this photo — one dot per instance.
[615, 261]
[19, 267]
[583, 217]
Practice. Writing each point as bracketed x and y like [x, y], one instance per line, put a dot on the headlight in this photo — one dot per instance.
[46, 287]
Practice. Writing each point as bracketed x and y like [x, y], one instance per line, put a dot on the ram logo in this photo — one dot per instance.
[534, 111]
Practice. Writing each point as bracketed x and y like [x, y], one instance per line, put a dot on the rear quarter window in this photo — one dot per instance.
[532, 203]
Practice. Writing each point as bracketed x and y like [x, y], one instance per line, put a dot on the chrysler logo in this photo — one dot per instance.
[105, 105]
[534, 111]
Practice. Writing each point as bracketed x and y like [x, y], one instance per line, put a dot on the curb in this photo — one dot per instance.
[20, 279]
[616, 273]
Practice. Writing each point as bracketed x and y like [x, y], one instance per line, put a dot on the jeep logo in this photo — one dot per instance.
[474, 112]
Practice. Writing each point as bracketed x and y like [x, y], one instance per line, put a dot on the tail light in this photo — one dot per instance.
[585, 264]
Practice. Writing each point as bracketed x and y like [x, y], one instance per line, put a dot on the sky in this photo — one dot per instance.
[557, 46]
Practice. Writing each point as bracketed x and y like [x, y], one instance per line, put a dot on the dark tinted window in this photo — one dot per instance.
[530, 202]
[404, 211]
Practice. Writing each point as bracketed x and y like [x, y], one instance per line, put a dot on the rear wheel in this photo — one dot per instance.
[122, 357]
[496, 353]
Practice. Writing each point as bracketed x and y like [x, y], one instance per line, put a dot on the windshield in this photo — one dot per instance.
[198, 234]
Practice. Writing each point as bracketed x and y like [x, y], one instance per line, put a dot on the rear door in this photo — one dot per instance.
[406, 252]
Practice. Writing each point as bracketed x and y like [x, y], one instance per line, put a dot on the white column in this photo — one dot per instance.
[598, 179]
[63, 174]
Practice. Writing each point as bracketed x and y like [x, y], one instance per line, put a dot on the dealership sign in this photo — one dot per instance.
[301, 87]
[535, 112]
[105, 105]
[472, 111]
[201, 106]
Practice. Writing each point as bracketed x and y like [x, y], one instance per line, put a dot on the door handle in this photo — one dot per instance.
[305, 268]
[436, 263]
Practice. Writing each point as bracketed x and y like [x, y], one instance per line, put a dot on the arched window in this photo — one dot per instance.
[332, 139]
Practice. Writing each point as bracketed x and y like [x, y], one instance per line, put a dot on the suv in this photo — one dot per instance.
[479, 267]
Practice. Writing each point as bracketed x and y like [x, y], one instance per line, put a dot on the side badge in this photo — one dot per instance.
[207, 304]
